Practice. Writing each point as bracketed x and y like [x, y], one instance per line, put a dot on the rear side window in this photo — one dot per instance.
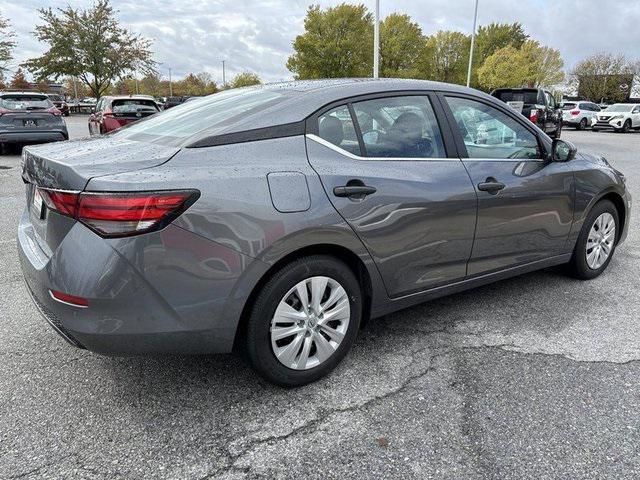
[188, 119]
[25, 102]
[399, 127]
[568, 106]
[336, 127]
[489, 133]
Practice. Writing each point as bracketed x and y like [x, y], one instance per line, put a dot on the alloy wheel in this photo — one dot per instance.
[310, 323]
[600, 241]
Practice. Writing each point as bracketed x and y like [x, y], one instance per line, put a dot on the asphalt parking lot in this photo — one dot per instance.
[533, 377]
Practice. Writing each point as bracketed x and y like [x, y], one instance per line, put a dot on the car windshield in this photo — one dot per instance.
[619, 107]
[568, 106]
[527, 97]
[174, 126]
[133, 105]
[25, 102]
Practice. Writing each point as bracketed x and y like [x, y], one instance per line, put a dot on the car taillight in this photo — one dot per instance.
[121, 214]
[107, 113]
[3, 111]
[575, 112]
[54, 111]
[533, 116]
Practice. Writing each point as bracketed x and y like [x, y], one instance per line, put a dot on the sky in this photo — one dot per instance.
[256, 35]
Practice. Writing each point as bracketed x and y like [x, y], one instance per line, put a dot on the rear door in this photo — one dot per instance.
[525, 202]
[390, 170]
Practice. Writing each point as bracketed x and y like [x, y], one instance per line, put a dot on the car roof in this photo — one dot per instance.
[8, 92]
[305, 97]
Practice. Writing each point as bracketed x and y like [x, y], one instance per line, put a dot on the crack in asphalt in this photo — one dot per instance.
[312, 425]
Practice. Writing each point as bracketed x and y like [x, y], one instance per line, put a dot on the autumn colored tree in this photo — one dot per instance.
[19, 80]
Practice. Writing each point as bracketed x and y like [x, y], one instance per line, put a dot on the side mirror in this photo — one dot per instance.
[563, 151]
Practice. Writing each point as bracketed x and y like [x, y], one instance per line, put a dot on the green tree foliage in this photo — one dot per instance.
[91, 45]
[600, 76]
[491, 38]
[7, 44]
[195, 85]
[531, 65]
[545, 64]
[245, 79]
[444, 57]
[19, 80]
[336, 43]
[400, 45]
[504, 68]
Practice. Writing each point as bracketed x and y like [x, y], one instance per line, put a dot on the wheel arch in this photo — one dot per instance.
[342, 253]
[618, 202]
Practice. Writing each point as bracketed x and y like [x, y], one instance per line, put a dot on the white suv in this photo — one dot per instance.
[579, 114]
[621, 117]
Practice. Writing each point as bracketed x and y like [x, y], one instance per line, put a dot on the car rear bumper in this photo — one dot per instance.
[163, 292]
[33, 137]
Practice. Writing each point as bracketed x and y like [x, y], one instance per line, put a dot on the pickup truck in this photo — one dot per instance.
[537, 105]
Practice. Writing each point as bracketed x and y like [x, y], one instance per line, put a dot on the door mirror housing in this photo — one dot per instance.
[563, 151]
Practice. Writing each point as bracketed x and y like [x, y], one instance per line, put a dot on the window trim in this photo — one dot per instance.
[543, 146]
[448, 139]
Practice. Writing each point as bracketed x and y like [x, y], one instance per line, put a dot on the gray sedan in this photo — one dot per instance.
[277, 219]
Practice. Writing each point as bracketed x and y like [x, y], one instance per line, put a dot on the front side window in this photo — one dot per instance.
[336, 127]
[489, 133]
[399, 127]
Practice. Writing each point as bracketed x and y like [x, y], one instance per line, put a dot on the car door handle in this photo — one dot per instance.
[354, 190]
[491, 185]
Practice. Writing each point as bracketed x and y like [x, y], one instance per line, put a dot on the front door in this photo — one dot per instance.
[384, 166]
[525, 202]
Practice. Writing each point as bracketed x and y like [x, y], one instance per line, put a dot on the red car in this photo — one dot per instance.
[112, 113]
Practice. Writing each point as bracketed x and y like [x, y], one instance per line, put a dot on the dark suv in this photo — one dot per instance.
[537, 105]
[27, 117]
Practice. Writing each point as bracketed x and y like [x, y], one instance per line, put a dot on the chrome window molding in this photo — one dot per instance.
[344, 152]
[353, 156]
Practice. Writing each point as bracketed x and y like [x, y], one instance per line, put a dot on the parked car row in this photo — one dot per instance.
[540, 106]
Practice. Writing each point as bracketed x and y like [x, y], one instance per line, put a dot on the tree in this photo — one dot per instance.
[245, 79]
[444, 57]
[7, 44]
[532, 65]
[400, 44]
[545, 64]
[336, 43]
[19, 80]
[493, 37]
[72, 86]
[504, 68]
[599, 77]
[91, 45]
[195, 85]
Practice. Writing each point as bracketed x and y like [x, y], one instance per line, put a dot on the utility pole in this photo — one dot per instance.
[137, 90]
[224, 76]
[473, 41]
[376, 41]
[170, 85]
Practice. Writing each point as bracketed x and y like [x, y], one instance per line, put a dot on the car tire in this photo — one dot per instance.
[580, 266]
[280, 360]
[582, 125]
[626, 127]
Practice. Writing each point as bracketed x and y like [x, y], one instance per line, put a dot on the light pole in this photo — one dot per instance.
[224, 76]
[170, 85]
[473, 41]
[376, 41]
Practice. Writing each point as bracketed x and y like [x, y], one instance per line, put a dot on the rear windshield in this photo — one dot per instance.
[173, 126]
[25, 102]
[133, 105]
[528, 97]
[568, 106]
[620, 107]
